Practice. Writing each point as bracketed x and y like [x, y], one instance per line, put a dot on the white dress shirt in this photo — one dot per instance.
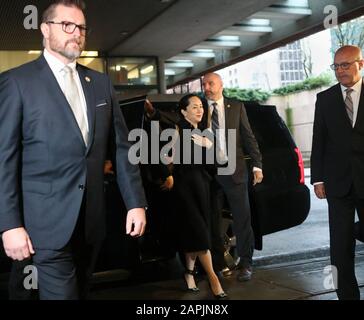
[57, 68]
[355, 96]
[222, 138]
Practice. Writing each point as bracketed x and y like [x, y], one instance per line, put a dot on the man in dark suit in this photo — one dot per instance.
[57, 118]
[337, 163]
[230, 115]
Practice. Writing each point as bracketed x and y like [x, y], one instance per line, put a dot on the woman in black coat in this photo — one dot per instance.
[191, 192]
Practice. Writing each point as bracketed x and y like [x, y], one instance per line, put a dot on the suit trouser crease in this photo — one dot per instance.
[342, 242]
[65, 274]
[238, 201]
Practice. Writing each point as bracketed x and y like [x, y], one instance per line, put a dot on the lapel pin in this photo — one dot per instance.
[87, 79]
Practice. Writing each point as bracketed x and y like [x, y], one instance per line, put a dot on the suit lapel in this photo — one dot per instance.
[229, 119]
[338, 100]
[229, 113]
[51, 85]
[360, 115]
[87, 86]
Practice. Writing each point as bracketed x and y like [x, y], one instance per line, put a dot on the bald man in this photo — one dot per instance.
[337, 164]
[231, 115]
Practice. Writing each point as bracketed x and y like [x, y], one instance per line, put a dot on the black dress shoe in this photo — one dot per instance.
[358, 235]
[224, 273]
[245, 274]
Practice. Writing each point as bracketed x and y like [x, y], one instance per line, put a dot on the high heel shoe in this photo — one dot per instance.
[219, 296]
[192, 273]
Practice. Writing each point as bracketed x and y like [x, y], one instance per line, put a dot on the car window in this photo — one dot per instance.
[269, 129]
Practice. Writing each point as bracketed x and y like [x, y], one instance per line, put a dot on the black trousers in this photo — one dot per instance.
[62, 274]
[238, 201]
[18, 274]
[342, 242]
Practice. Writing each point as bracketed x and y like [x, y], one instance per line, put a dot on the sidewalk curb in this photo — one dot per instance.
[296, 256]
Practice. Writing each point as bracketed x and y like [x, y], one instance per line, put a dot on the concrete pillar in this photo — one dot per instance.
[161, 79]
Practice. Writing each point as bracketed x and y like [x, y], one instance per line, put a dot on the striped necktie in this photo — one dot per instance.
[215, 125]
[349, 104]
[214, 118]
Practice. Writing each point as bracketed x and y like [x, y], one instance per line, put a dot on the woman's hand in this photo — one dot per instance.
[108, 167]
[201, 141]
[167, 185]
[148, 107]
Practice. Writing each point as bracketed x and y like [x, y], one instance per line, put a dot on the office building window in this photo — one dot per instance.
[130, 71]
[291, 66]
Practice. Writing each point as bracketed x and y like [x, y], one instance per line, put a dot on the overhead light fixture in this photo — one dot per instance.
[89, 54]
[133, 74]
[34, 52]
[169, 72]
[118, 67]
[147, 70]
[204, 50]
[179, 64]
[227, 38]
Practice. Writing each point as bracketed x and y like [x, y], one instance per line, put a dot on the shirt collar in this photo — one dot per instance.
[356, 87]
[219, 102]
[55, 64]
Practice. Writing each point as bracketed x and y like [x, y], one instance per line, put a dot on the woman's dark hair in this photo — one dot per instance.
[185, 101]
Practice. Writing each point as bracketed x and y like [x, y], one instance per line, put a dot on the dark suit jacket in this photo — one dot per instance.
[337, 157]
[45, 168]
[235, 118]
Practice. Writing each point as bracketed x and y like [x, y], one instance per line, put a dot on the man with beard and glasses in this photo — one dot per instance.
[57, 119]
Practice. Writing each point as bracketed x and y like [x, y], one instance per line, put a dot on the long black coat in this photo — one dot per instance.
[191, 192]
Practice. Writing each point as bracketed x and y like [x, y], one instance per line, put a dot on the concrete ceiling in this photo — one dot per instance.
[111, 21]
[187, 36]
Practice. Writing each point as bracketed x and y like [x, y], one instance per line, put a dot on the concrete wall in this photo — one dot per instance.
[303, 109]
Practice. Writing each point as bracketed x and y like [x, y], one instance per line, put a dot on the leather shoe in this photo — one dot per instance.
[245, 274]
[224, 273]
[357, 231]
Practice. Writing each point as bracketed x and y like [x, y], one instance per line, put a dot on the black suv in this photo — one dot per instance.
[280, 202]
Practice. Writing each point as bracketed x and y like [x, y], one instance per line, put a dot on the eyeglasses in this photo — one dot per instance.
[344, 65]
[70, 27]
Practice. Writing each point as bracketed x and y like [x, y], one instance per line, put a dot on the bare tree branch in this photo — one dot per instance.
[351, 32]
